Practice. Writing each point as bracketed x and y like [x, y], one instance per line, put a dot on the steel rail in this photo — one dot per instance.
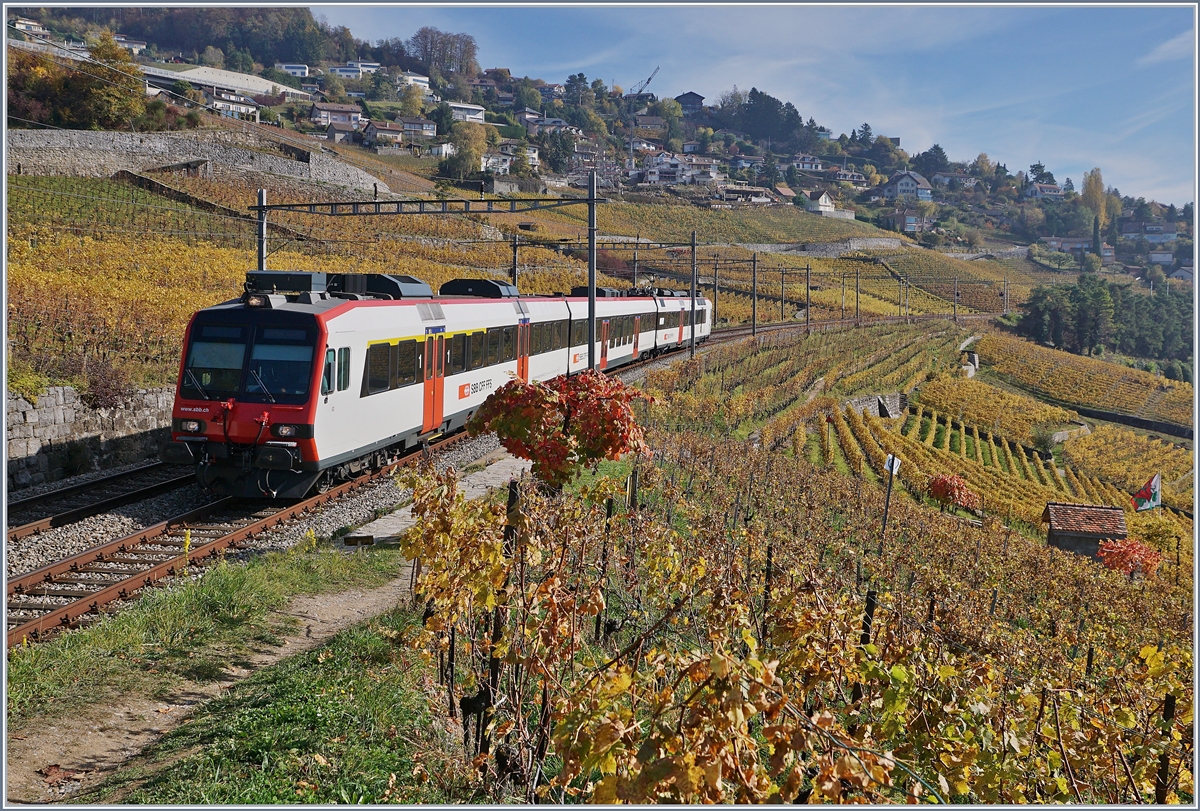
[96, 507]
[62, 492]
[65, 616]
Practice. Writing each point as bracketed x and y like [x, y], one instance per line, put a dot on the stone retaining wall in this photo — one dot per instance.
[61, 436]
[880, 405]
[828, 250]
[83, 153]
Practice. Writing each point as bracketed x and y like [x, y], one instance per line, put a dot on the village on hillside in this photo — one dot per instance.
[744, 149]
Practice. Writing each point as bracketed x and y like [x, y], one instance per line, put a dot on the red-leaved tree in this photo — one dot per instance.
[564, 424]
[950, 489]
[1127, 556]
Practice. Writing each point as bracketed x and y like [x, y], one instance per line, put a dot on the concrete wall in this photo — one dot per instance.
[61, 436]
[83, 153]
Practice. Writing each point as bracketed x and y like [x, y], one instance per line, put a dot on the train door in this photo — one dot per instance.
[637, 330]
[435, 373]
[604, 345]
[680, 315]
[523, 351]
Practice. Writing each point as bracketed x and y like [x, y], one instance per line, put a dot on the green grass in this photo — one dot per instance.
[812, 449]
[927, 425]
[188, 632]
[327, 726]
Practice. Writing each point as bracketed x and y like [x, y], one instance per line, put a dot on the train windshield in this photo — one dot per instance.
[281, 363]
[214, 362]
[255, 364]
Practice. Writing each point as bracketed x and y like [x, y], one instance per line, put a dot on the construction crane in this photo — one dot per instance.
[643, 85]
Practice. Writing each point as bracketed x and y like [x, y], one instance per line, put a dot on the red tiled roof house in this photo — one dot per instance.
[1080, 528]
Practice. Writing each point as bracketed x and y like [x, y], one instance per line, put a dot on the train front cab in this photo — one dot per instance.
[244, 401]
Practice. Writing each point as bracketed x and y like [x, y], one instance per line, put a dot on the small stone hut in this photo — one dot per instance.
[1080, 528]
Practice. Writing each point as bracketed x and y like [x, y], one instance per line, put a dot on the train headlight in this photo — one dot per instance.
[257, 300]
[191, 426]
[285, 430]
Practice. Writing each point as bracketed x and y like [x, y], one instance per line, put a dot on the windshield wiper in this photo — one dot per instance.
[261, 383]
[196, 383]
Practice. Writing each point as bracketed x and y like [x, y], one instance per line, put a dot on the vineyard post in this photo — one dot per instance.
[754, 294]
[899, 296]
[807, 299]
[592, 270]
[716, 289]
[635, 261]
[514, 264]
[843, 296]
[1006, 295]
[1162, 779]
[892, 464]
[955, 299]
[857, 317]
[692, 338]
[262, 230]
[782, 294]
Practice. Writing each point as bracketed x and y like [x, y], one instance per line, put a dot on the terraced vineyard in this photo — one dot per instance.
[1129, 460]
[978, 403]
[1075, 380]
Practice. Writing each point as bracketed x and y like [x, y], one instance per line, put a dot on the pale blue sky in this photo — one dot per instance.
[1073, 87]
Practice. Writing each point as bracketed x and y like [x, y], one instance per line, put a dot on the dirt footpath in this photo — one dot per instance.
[56, 761]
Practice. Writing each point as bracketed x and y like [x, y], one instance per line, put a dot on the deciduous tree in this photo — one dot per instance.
[1093, 195]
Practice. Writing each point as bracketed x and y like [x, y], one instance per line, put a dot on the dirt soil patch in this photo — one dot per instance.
[55, 761]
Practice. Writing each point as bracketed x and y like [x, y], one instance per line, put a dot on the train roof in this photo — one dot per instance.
[314, 293]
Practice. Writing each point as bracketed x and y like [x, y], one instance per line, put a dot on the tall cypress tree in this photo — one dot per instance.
[1096, 235]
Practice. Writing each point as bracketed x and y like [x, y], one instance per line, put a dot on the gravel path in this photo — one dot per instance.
[27, 554]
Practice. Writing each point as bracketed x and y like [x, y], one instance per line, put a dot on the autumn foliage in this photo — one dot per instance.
[564, 424]
[950, 489]
[1127, 556]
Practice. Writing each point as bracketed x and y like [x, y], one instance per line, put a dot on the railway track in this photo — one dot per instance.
[73, 592]
[67, 505]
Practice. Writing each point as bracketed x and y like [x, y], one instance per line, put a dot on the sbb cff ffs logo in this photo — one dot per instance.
[467, 389]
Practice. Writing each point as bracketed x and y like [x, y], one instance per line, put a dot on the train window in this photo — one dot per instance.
[407, 363]
[458, 354]
[560, 335]
[427, 352]
[537, 333]
[578, 333]
[509, 346]
[379, 372]
[493, 355]
[281, 365]
[214, 362]
[328, 373]
[343, 365]
[478, 347]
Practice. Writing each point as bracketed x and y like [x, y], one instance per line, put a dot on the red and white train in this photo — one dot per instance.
[309, 379]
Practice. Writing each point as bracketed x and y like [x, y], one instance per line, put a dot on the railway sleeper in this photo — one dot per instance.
[113, 577]
[18, 603]
[54, 591]
[129, 559]
[123, 571]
